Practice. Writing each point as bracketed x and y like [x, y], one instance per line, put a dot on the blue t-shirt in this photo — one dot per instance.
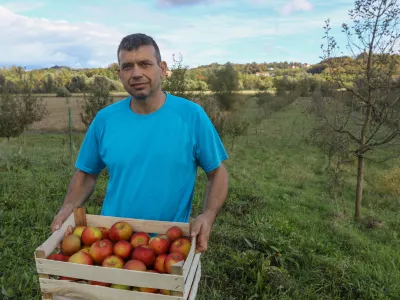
[151, 159]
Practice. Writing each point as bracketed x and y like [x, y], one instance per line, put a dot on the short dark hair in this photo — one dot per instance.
[135, 40]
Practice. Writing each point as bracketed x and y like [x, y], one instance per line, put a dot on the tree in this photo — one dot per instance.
[367, 109]
[96, 99]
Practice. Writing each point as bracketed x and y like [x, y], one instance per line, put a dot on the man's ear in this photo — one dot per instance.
[163, 66]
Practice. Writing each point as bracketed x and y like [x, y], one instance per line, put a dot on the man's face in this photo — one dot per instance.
[140, 73]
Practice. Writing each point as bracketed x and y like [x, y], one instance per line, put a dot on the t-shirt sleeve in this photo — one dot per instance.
[89, 159]
[210, 151]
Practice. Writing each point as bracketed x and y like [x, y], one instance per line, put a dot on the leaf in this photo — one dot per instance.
[248, 243]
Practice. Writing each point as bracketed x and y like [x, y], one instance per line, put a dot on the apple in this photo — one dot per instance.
[149, 290]
[120, 231]
[159, 263]
[174, 233]
[71, 244]
[123, 249]
[91, 282]
[100, 250]
[182, 245]
[113, 261]
[68, 278]
[58, 256]
[171, 259]
[120, 286]
[145, 254]
[104, 232]
[160, 244]
[86, 248]
[135, 264]
[78, 230]
[165, 292]
[140, 238]
[81, 257]
[91, 235]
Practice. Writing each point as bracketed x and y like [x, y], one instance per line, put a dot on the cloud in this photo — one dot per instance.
[27, 41]
[296, 5]
[23, 6]
[166, 3]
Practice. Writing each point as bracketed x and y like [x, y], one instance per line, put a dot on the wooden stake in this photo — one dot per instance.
[80, 216]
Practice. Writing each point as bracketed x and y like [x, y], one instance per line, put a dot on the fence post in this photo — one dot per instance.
[70, 128]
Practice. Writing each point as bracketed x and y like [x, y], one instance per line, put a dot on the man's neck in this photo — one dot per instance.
[151, 104]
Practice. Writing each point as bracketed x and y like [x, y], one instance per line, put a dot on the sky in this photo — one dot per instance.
[86, 34]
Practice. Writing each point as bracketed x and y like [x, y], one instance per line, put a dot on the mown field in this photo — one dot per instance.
[282, 233]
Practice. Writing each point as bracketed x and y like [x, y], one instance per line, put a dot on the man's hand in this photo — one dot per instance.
[201, 227]
[59, 219]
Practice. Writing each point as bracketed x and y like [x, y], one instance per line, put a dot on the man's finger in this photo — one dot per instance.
[195, 228]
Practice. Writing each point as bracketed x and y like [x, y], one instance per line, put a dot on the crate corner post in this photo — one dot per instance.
[80, 216]
[42, 254]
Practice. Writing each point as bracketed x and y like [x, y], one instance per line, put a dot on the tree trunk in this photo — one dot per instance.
[359, 190]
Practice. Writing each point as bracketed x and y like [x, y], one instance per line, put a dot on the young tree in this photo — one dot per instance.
[366, 110]
[98, 97]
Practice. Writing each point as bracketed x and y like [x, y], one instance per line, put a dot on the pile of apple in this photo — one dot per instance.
[121, 247]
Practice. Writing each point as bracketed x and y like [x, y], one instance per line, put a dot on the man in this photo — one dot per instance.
[151, 144]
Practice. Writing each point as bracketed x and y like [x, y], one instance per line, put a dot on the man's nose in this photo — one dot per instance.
[136, 72]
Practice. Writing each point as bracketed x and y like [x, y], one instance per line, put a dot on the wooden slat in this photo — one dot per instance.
[42, 254]
[52, 242]
[177, 269]
[195, 286]
[66, 290]
[192, 273]
[111, 275]
[137, 224]
[189, 259]
[80, 216]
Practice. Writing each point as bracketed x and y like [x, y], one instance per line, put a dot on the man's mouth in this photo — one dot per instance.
[138, 85]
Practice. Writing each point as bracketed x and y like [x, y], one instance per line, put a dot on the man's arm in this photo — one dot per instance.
[80, 188]
[215, 196]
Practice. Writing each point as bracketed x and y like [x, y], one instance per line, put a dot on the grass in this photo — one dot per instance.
[280, 235]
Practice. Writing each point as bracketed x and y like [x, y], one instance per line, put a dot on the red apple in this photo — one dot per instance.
[172, 259]
[135, 264]
[104, 232]
[91, 282]
[123, 249]
[91, 235]
[71, 244]
[145, 254]
[100, 250]
[58, 256]
[160, 244]
[140, 238]
[113, 261]
[120, 231]
[174, 233]
[78, 230]
[181, 245]
[159, 263]
[149, 290]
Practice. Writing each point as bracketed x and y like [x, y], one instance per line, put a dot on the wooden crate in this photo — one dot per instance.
[183, 282]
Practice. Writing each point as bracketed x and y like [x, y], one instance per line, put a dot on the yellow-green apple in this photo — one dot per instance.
[174, 233]
[91, 235]
[113, 261]
[165, 292]
[104, 232]
[120, 286]
[139, 239]
[135, 264]
[58, 257]
[91, 282]
[145, 254]
[160, 243]
[78, 230]
[120, 231]
[86, 248]
[100, 250]
[181, 245]
[159, 263]
[123, 249]
[171, 259]
[81, 257]
[149, 290]
[71, 244]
